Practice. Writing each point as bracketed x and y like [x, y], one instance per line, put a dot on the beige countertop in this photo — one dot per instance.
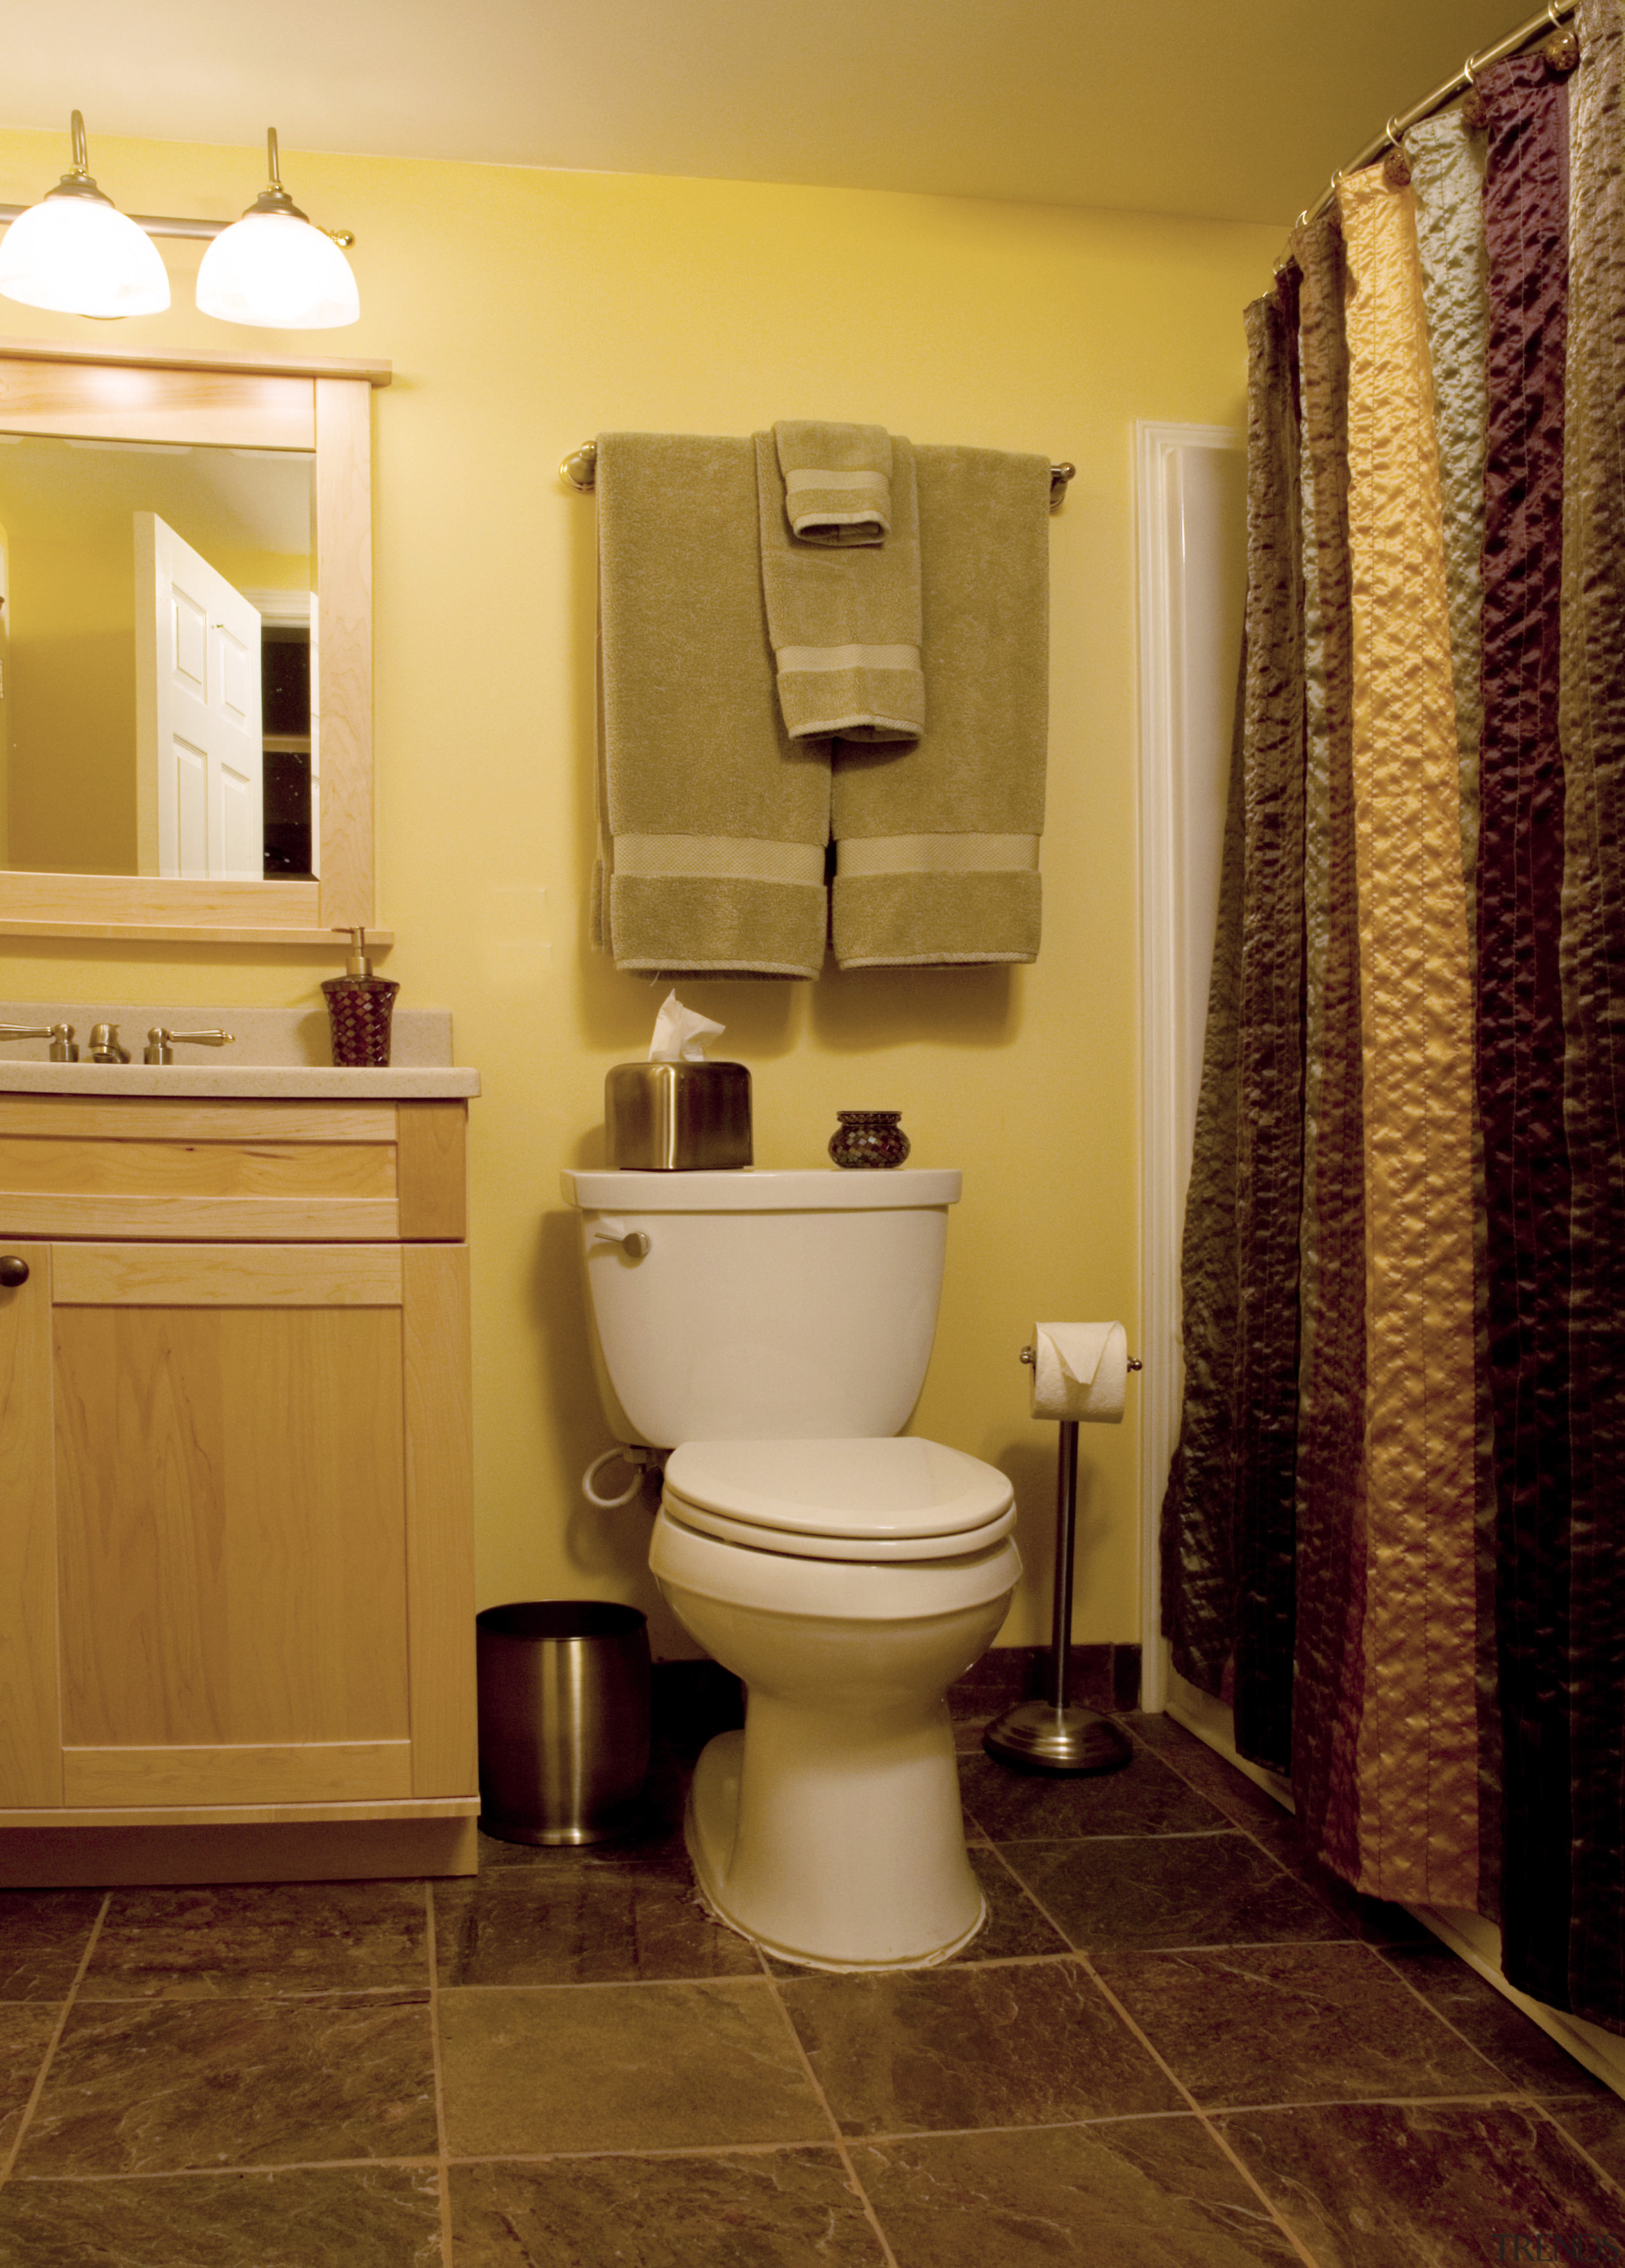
[249, 1082]
[275, 1054]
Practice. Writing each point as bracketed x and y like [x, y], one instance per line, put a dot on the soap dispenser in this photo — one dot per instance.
[359, 1006]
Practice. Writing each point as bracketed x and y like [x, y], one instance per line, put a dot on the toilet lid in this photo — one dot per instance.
[897, 1498]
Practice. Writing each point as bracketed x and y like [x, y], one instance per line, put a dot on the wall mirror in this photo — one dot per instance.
[185, 646]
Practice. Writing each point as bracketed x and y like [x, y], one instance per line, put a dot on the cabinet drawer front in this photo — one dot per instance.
[309, 1772]
[251, 1275]
[30, 1167]
[190, 1171]
[149, 1118]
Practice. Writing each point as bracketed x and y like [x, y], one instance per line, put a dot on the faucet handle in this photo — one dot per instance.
[60, 1035]
[161, 1044]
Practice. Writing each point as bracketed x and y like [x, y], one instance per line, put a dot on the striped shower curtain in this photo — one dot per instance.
[1394, 1529]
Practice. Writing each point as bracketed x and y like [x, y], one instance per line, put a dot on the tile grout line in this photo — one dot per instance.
[268, 2168]
[842, 2146]
[1237, 1826]
[1381, 1949]
[9, 2162]
[1610, 2181]
[674, 2150]
[1213, 2135]
[1398, 1974]
[442, 2149]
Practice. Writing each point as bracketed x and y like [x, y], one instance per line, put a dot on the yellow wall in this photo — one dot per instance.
[524, 311]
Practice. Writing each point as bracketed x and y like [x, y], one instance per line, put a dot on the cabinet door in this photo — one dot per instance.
[263, 1593]
[30, 1733]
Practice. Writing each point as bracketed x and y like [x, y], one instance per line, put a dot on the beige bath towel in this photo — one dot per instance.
[845, 624]
[937, 846]
[837, 481]
[712, 821]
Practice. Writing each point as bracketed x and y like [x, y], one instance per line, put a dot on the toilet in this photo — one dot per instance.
[771, 1330]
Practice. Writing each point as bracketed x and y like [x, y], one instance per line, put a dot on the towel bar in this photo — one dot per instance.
[579, 468]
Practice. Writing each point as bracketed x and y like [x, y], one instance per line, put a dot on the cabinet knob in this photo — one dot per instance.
[14, 1271]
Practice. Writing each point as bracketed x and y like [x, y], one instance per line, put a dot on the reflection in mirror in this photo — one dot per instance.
[156, 665]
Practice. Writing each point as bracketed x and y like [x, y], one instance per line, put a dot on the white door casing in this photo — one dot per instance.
[199, 749]
[1192, 491]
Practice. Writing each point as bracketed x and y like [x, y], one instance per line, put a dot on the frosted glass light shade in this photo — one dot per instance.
[82, 256]
[278, 272]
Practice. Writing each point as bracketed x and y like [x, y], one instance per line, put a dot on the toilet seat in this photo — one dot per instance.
[869, 1500]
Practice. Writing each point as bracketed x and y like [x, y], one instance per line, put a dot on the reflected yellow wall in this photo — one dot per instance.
[5, 695]
[523, 312]
[72, 702]
[71, 790]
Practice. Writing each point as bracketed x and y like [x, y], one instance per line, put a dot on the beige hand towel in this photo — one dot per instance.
[937, 847]
[837, 481]
[712, 821]
[845, 624]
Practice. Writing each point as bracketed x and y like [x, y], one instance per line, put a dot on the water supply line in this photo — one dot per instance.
[631, 1453]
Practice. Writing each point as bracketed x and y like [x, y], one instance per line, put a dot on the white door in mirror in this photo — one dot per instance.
[199, 745]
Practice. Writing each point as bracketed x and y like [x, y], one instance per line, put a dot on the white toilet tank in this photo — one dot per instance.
[766, 1306]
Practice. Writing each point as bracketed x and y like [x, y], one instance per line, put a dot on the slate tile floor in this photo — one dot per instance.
[1176, 2042]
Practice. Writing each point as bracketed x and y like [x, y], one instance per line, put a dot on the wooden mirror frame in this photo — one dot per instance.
[225, 402]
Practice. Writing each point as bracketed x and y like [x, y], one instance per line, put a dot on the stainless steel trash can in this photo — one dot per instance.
[564, 1718]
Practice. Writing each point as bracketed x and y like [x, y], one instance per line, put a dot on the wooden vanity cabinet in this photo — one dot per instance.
[236, 1581]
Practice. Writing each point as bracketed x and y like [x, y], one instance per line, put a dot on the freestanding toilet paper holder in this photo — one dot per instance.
[1049, 1735]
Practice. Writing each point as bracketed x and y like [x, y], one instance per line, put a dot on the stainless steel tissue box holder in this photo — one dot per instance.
[678, 1118]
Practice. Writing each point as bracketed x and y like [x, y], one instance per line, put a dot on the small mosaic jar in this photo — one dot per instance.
[359, 1009]
[869, 1137]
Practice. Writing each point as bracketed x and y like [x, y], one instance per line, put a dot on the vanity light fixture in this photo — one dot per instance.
[76, 253]
[272, 268]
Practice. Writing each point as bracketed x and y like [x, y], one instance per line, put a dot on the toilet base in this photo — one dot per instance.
[870, 1918]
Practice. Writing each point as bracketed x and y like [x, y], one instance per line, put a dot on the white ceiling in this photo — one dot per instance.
[1231, 113]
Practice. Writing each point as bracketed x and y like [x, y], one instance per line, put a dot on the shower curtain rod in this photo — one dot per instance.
[580, 469]
[1550, 19]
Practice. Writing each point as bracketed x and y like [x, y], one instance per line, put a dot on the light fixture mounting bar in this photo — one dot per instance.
[166, 224]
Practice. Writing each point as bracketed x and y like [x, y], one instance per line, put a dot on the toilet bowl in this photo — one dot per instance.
[847, 1584]
[772, 1331]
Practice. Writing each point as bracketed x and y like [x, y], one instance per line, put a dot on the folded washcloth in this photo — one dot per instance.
[937, 847]
[845, 624]
[837, 481]
[712, 821]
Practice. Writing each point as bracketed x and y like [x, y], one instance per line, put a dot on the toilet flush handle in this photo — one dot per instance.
[632, 1242]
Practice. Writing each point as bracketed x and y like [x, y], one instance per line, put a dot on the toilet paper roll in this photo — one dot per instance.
[1080, 1370]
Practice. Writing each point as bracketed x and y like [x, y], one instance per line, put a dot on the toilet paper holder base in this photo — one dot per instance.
[1050, 1735]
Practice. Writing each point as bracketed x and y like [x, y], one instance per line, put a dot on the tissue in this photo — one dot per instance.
[680, 1035]
[1080, 1371]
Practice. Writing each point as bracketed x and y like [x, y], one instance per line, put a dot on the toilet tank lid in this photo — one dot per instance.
[894, 1488]
[829, 1190]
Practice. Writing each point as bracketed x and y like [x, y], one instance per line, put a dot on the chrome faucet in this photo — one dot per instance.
[60, 1035]
[161, 1044]
[104, 1045]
